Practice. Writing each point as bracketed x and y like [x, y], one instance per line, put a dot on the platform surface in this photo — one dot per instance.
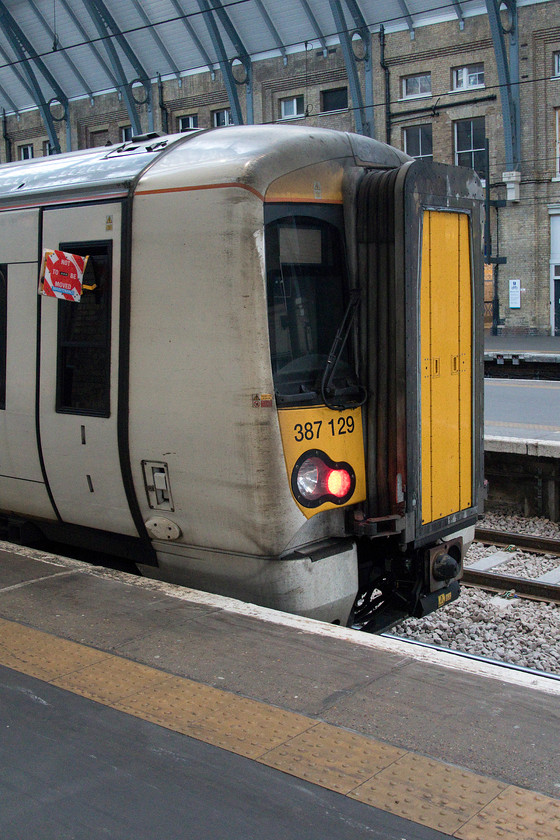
[523, 409]
[116, 689]
[530, 344]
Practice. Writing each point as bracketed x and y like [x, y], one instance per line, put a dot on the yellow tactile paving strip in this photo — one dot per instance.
[440, 796]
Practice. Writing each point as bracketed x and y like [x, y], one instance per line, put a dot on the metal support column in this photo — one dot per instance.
[108, 29]
[225, 67]
[363, 111]
[242, 56]
[365, 36]
[508, 76]
[27, 55]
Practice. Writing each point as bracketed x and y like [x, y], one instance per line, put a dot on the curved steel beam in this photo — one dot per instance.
[408, 17]
[362, 30]
[107, 28]
[5, 95]
[508, 77]
[20, 77]
[459, 12]
[272, 29]
[157, 40]
[225, 66]
[52, 35]
[351, 69]
[242, 54]
[196, 40]
[87, 40]
[26, 54]
[315, 25]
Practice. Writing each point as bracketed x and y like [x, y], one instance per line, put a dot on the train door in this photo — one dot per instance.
[418, 237]
[79, 373]
[22, 486]
[556, 292]
[555, 271]
[446, 364]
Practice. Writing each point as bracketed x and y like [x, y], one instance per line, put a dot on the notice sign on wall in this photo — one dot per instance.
[515, 294]
[62, 275]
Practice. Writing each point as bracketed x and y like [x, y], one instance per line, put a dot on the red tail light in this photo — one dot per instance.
[317, 479]
[339, 483]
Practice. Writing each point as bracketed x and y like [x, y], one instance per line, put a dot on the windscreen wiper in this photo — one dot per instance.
[335, 354]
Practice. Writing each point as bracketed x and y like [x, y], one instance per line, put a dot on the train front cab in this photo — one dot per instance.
[419, 266]
[385, 420]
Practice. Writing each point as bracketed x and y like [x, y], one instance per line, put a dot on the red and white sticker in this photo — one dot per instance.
[62, 275]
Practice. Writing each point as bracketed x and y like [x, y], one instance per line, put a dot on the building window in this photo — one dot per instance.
[418, 141]
[47, 148]
[334, 100]
[84, 332]
[187, 122]
[470, 76]
[126, 133]
[222, 117]
[420, 85]
[556, 64]
[99, 138]
[291, 107]
[557, 155]
[3, 332]
[470, 136]
[25, 152]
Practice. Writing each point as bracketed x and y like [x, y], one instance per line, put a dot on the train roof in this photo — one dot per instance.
[252, 155]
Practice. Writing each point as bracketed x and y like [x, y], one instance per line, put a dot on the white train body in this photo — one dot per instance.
[146, 418]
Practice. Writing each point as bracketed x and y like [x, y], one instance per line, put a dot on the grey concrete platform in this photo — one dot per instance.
[532, 344]
[72, 769]
[489, 720]
[521, 409]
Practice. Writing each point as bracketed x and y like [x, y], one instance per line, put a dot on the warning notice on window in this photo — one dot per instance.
[62, 275]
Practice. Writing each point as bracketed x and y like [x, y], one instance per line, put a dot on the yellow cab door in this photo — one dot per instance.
[446, 373]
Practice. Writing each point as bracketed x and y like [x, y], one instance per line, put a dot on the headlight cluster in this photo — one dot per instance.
[317, 479]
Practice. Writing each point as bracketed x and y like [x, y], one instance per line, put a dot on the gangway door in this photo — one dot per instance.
[446, 365]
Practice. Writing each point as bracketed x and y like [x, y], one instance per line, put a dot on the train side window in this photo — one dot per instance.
[3, 332]
[84, 337]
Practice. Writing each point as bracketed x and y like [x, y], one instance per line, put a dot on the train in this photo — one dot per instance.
[249, 359]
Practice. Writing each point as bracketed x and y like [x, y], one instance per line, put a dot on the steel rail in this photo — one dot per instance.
[476, 657]
[541, 545]
[527, 587]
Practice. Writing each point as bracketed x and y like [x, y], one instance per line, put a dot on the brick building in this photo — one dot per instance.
[436, 94]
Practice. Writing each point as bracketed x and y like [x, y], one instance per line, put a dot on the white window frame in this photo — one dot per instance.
[407, 80]
[25, 151]
[124, 131]
[421, 156]
[467, 76]
[289, 109]
[556, 64]
[228, 119]
[186, 122]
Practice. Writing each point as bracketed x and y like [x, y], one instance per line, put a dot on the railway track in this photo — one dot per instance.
[485, 574]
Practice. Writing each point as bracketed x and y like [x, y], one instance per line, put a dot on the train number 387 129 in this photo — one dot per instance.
[342, 425]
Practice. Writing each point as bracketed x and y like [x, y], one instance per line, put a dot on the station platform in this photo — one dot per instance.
[522, 356]
[527, 344]
[134, 708]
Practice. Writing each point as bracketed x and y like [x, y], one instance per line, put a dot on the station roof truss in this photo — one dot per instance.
[54, 51]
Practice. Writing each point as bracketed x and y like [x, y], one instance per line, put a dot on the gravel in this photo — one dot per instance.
[520, 563]
[500, 627]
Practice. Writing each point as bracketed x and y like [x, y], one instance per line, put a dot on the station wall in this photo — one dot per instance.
[444, 96]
